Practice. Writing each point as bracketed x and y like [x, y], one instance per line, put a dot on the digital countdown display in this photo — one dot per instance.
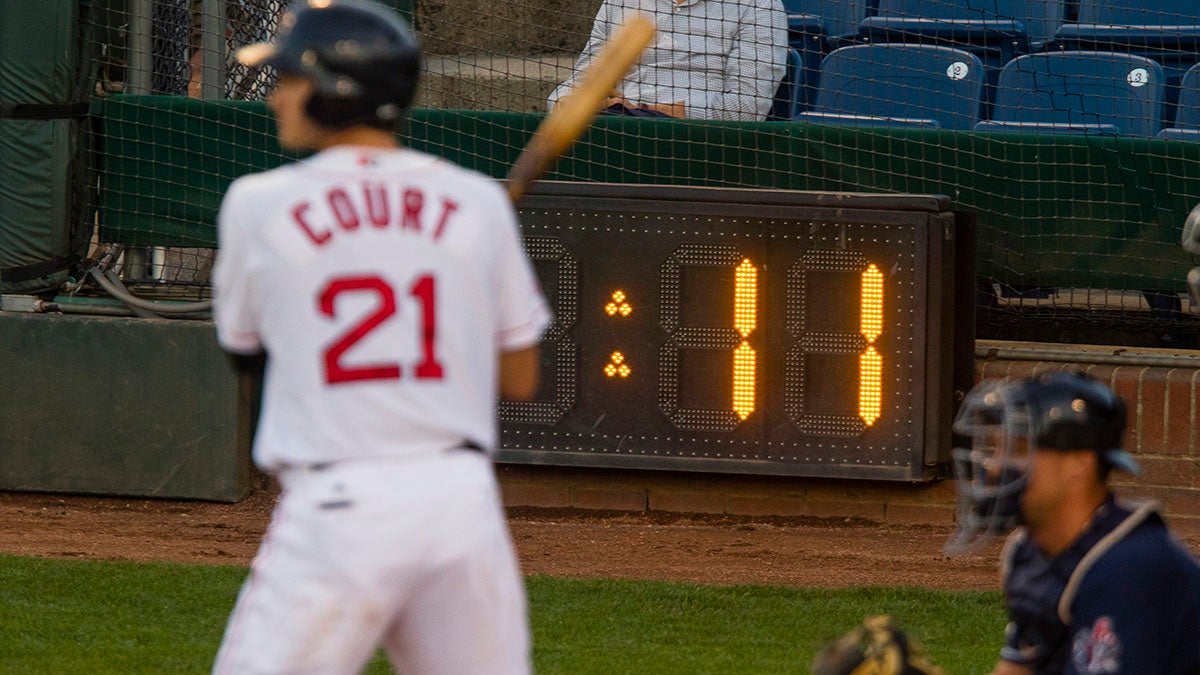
[741, 331]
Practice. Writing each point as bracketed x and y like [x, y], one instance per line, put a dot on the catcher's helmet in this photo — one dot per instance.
[1006, 421]
[362, 59]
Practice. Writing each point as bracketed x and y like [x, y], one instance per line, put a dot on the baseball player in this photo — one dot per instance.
[1092, 584]
[393, 301]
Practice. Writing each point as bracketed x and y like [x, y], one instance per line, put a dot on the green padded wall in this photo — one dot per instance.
[1069, 211]
[137, 407]
[38, 53]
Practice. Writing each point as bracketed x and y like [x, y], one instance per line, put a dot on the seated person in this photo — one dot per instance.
[710, 60]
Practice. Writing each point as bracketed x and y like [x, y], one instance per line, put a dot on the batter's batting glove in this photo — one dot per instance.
[877, 647]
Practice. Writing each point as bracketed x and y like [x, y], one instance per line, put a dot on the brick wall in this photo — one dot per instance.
[1162, 434]
[680, 492]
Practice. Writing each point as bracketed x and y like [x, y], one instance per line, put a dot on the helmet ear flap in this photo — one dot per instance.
[334, 112]
[331, 92]
[323, 110]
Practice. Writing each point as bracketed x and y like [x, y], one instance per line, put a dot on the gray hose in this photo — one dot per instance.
[113, 286]
[68, 308]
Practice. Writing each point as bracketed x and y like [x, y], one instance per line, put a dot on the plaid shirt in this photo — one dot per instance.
[723, 59]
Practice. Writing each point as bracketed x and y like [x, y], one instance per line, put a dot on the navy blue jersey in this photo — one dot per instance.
[1123, 598]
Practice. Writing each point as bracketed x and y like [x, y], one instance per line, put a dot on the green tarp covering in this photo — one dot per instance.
[1069, 211]
[37, 66]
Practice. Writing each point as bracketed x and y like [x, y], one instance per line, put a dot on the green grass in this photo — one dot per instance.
[114, 617]
[649, 627]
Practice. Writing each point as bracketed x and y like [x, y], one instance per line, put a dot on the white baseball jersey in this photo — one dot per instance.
[382, 285]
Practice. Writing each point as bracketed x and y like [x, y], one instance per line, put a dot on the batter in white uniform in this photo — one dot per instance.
[392, 300]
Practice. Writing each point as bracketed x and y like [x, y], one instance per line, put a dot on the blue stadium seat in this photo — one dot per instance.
[1187, 119]
[899, 85]
[1137, 22]
[994, 30]
[1079, 93]
[831, 18]
[789, 96]
[815, 28]
[1167, 31]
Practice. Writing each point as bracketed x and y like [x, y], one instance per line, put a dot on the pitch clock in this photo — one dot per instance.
[745, 331]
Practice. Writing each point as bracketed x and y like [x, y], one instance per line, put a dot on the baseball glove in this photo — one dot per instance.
[877, 647]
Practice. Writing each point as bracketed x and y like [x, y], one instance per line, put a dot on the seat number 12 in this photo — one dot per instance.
[423, 288]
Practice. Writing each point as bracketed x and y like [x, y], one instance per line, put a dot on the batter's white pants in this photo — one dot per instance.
[413, 555]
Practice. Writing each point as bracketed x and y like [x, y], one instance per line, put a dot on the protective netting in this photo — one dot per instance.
[1070, 127]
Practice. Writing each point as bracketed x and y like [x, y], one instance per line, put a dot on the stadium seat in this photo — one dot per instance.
[899, 85]
[815, 28]
[1167, 24]
[830, 18]
[994, 30]
[1167, 31]
[1079, 93]
[1187, 119]
[791, 93]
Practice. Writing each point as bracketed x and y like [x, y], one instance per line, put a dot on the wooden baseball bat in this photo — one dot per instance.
[575, 112]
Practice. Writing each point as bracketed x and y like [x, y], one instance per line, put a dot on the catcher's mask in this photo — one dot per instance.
[362, 59]
[1006, 422]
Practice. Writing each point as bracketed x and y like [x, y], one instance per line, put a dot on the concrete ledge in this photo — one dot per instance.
[504, 26]
[114, 406]
[489, 66]
[489, 82]
[761, 496]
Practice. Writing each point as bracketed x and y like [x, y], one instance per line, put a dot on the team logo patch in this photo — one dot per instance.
[1097, 650]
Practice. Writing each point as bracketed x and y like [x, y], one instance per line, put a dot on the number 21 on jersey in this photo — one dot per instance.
[423, 288]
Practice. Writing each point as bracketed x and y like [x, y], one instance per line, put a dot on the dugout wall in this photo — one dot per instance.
[121, 406]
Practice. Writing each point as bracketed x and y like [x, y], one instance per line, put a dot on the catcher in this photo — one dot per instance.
[1092, 584]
